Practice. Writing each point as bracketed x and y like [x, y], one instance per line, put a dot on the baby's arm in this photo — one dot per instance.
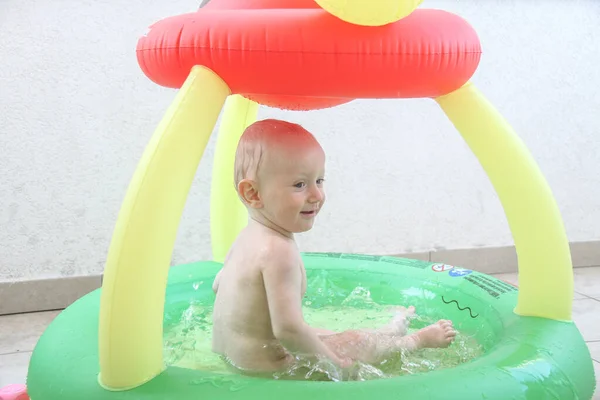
[215, 286]
[283, 285]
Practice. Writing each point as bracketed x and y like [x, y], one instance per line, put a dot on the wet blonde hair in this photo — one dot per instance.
[260, 137]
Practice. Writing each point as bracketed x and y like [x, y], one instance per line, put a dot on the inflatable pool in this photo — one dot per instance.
[238, 54]
[524, 357]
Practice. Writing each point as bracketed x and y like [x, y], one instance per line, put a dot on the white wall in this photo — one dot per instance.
[76, 113]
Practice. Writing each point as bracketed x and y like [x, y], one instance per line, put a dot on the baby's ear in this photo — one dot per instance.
[248, 191]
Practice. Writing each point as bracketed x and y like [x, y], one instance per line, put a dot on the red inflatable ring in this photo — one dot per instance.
[300, 57]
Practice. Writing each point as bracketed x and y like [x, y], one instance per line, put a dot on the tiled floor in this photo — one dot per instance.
[19, 333]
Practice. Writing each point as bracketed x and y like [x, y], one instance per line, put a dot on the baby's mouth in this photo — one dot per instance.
[312, 212]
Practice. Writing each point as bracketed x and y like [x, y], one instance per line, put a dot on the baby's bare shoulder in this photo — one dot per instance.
[277, 250]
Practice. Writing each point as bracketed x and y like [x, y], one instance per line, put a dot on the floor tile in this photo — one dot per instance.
[587, 281]
[20, 332]
[594, 350]
[512, 277]
[586, 315]
[579, 296]
[13, 368]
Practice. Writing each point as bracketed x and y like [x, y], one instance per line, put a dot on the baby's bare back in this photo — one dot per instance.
[242, 330]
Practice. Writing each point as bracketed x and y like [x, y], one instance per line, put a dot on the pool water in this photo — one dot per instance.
[187, 340]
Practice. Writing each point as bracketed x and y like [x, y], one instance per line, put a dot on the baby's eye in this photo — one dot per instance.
[299, 185]
[320, 181]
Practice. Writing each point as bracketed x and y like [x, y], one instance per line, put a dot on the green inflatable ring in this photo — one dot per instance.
[525, 358]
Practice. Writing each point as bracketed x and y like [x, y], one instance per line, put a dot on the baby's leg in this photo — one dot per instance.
[438, 335]
[372, 347]
[397, 326]
[399, 323]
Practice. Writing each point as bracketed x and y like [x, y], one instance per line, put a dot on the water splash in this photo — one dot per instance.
[187, 343]
[234, 384]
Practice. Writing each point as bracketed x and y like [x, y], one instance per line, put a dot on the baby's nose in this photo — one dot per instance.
[316, 196]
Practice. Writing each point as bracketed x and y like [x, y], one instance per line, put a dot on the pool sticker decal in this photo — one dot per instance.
[459, 272]
[494, 287]
[441, 267]
[460, 308]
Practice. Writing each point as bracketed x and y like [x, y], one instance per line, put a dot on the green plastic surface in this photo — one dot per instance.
[525, 358]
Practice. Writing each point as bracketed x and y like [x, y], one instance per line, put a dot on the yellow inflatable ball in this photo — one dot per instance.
[369, 12]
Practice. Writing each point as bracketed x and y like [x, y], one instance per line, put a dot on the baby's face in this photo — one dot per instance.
[291, 187]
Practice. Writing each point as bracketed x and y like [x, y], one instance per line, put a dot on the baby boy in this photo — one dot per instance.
[258, 324]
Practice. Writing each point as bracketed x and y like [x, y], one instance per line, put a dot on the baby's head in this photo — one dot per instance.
[279, 173]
